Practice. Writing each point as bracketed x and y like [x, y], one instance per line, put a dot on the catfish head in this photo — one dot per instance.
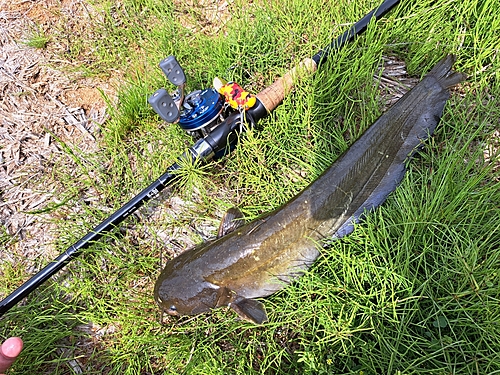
[186, 285]
[180, 295]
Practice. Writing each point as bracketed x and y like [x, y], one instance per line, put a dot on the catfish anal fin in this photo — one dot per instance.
[233, 219]
[250, 310]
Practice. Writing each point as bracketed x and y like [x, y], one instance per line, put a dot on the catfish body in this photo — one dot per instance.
[261, 257]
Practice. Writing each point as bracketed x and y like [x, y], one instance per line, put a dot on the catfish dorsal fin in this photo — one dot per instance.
[250, 310]
[233, 219]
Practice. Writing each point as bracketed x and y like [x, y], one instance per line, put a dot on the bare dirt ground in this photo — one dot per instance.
[40, 98]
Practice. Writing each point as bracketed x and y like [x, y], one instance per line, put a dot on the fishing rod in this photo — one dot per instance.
[214, 117]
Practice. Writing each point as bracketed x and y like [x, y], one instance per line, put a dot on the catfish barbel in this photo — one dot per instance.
[259, 258]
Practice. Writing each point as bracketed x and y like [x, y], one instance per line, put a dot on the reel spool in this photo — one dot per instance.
[201, 112]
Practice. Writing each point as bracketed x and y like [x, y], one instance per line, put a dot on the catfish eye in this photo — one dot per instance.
[172, 310]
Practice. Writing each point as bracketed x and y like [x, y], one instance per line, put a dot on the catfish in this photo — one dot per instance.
[256, 259]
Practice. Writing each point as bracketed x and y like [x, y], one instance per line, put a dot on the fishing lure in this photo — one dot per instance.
[234, 94]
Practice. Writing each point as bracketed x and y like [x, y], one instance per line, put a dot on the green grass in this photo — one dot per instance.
[414, 290]
[37, 38]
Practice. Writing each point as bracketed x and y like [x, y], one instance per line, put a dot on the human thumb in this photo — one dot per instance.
[9, 351]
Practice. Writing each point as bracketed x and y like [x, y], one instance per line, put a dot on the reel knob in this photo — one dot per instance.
[164, 105]
[173, 71]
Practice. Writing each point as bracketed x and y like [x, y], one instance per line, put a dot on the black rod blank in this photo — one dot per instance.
[357, 29]
[93, 236]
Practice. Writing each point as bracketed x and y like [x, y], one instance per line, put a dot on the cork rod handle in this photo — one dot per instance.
[273, 95]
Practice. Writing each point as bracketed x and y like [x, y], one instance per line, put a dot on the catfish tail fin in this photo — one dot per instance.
[444, 74]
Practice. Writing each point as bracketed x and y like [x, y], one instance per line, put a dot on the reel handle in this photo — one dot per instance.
[161, 101]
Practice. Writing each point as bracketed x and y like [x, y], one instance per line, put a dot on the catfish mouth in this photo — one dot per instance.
[171, 312]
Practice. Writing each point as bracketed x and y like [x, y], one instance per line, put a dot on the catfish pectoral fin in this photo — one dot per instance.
[250, 310]
[232, 220]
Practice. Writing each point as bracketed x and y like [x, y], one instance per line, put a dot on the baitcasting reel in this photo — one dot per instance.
[200, 112]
